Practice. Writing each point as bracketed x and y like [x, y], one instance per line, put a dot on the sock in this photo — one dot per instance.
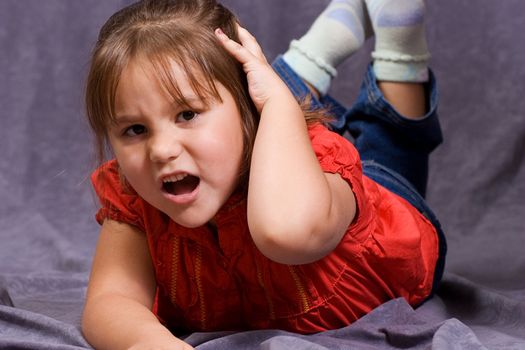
[401, 52]
[335, 35]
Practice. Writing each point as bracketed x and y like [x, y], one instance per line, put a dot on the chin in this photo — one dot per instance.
[191, 221]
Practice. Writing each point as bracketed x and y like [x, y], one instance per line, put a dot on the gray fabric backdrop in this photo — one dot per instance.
[477, 179]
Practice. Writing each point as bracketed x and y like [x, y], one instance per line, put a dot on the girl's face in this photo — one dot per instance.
[183, 161]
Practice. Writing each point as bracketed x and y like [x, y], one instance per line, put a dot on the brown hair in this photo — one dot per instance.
[164, 31]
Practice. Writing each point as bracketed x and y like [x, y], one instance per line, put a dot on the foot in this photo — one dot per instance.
[401, 52]
[336, 34]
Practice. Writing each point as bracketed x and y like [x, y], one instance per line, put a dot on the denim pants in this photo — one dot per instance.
[394, 150]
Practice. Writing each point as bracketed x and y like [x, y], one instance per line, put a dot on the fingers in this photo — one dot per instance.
[247, 50]
[235, 49]
[250, 43]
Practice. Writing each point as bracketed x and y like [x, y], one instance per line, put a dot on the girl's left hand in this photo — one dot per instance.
[263, 82]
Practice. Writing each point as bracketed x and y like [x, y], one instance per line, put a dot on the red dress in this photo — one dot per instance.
[220, 281]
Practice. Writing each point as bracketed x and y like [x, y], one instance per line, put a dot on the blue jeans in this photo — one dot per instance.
[394, 150]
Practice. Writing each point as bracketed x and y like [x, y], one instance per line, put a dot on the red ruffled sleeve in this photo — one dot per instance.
[396, 243]
[118, 201]
[337, 155]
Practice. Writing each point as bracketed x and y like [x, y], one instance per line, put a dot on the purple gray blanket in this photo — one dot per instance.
[477, 180]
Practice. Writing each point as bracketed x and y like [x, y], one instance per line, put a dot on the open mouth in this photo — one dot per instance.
[180, 184]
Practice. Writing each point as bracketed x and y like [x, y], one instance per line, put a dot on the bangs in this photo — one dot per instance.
[191, 52]
[201, 81]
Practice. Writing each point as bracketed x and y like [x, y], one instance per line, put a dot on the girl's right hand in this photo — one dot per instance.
[114, 319]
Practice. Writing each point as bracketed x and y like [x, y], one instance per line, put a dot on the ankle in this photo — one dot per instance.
[313, 70]
[401, 52]
[336, 34]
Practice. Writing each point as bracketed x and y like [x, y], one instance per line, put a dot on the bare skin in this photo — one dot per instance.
[407, 98]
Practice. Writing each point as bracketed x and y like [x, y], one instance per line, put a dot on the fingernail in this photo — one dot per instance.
[219, 32]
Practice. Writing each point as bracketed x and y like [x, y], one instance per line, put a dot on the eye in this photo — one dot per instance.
[134, 130]
[186, 116]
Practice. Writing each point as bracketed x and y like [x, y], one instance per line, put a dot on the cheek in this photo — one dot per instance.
[131, 162]
[235, 145]
[226, 149]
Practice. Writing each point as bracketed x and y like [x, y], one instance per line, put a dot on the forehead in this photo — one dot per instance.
[167, 78]
[144, 72]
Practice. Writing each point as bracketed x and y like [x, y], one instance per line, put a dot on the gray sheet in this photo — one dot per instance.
[477, 180]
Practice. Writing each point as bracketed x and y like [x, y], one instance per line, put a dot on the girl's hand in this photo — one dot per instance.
[263, 82]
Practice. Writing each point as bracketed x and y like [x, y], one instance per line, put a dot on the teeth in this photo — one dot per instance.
[174, 178]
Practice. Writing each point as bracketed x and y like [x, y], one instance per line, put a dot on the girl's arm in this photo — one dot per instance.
[296, 213]
[121, 292]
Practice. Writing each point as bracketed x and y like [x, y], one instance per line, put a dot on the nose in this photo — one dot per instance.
[164, 146]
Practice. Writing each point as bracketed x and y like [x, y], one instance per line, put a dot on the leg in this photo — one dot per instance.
[401, 53]
[394, 121]
[383, 136]
[407, 98]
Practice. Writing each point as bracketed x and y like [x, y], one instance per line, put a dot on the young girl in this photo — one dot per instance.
[225, 208]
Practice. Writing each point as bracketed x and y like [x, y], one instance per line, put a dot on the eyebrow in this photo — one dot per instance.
[192, 99]
[130, 119]
[123, 119]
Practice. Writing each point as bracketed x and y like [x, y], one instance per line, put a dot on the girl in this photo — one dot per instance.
[225, 208]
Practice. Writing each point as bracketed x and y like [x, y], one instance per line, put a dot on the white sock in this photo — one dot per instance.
[401, 52]
[336, 34]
